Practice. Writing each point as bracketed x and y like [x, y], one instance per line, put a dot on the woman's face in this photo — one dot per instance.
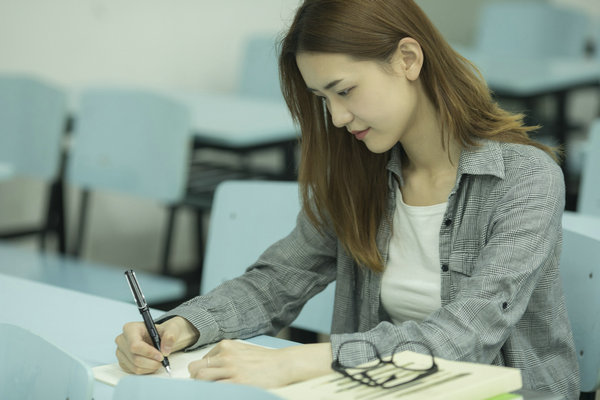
[375, 103]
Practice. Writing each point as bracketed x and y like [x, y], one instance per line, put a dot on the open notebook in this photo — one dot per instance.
[112, 373]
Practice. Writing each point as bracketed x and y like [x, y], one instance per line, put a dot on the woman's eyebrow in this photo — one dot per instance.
[328, 86]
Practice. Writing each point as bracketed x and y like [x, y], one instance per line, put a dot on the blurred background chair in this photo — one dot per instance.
[580, 273]
[33, 119]
[589, 190]
[156, 388]
[247, 217]
[33, 368]
[259, 75]
[131, 142]
[531, 29]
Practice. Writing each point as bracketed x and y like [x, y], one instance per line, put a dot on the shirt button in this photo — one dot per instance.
[504, 305]
[445, 267]
[448, 222]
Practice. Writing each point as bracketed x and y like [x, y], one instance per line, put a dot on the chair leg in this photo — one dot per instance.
[61, 215]
[289, 157]
[48, 222]
[194, 287]
[168, 239]
[55, 217]
[83, 210]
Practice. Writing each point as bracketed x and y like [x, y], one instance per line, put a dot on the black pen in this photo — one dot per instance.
[140, 300]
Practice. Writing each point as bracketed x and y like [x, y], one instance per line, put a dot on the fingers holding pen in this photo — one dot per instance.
[134, 350]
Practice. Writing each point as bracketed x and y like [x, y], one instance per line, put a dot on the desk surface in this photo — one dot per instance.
[226, 119]
[526, 77]
[238, 121]
[93, 278]
[86, 325]
[81, 324]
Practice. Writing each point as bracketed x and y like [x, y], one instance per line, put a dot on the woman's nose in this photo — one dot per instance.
[340, 115]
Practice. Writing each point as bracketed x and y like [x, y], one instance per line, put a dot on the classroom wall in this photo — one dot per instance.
[191, 44]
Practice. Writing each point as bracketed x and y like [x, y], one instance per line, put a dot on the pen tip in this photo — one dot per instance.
[168, 370]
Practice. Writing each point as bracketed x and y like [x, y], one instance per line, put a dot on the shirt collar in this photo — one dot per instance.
[484, 159]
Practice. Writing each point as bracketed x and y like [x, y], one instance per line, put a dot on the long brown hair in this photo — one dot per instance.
[342, 182]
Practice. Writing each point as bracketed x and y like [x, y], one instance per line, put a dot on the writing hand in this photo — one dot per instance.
[135, 351]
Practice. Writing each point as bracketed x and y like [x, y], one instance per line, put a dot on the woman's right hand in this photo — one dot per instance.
[136, 353]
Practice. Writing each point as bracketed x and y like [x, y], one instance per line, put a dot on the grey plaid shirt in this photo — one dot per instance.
[501, 294]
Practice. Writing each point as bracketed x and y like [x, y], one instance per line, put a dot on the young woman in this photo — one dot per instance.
[436, 214]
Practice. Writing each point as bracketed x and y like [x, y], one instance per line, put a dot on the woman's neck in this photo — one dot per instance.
[430, 164]
[427, 149]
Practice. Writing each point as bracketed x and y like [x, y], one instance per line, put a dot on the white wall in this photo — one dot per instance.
[181, 43]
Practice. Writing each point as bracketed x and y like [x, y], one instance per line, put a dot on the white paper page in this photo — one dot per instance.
[112, 373]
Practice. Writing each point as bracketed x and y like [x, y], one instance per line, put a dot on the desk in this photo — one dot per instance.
[92, 278]
[82, 324]
[69, 319]
[237, 121]
[526, 79]
[241, 124]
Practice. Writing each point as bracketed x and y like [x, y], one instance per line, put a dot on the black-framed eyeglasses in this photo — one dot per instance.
[387, 373]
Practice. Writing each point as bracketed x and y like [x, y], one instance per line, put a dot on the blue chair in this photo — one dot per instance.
[580, 273]
[132, 142]
[531, 29]
[33, 116]
[589, 190]
[33, 368]
[246, 218]
[259, 75]
[156, 388]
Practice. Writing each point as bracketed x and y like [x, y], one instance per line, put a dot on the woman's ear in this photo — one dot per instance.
[408, 58]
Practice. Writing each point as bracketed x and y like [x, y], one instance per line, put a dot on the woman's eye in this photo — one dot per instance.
[345, 93]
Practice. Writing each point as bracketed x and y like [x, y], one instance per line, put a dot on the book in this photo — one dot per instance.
[453, 381]
[506, 396]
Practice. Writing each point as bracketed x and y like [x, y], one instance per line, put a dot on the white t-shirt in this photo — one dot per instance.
[410, 287]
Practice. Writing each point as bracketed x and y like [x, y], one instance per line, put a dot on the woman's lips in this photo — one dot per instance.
[360, 135]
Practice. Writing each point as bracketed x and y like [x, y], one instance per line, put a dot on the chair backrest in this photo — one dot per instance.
[595, 41]
[580, 273]
[260, 74]
[131, 141]
[33, 117]
[588, 201]
[157, 388]
[246, 218]
[531, 29]
[33, 368]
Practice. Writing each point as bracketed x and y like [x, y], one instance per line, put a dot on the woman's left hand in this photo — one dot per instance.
[243, 363]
